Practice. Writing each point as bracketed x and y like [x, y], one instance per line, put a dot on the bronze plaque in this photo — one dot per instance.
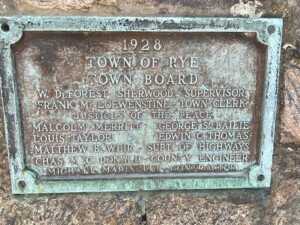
[139, 104]
[106, 109]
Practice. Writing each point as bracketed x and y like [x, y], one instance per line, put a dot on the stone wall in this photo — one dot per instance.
[278, 205]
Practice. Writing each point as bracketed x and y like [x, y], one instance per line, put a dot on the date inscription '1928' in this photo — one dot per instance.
[137, 103]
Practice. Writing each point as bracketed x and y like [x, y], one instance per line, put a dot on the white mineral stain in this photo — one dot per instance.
[248, 9]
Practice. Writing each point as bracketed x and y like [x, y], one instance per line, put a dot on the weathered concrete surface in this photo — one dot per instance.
[279, 205]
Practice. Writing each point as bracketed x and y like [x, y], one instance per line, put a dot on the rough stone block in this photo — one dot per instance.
[174, 209]
[283, 205]
[290, 114]
[70, 209]
[69, 4]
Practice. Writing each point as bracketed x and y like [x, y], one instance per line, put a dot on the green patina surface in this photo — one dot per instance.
[269, 32]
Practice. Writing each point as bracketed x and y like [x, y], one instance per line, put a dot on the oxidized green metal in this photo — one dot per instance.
[177, 58]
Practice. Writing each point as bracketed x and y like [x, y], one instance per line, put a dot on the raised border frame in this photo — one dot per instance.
[269, 33]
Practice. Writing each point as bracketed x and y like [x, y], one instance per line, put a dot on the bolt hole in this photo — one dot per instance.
[260, 177]
[22, 184]
[5, 27]
[271, 29]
